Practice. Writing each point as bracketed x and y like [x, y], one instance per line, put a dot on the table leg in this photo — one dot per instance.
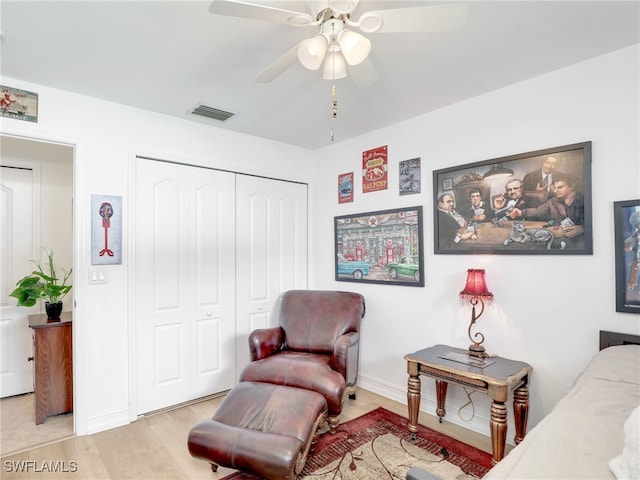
[441, 396]
[520, 411]
[413, 402]
[498, 430]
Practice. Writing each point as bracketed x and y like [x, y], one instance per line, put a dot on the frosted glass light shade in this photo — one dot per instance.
[354, 47]
[334, 66]
[312, 51]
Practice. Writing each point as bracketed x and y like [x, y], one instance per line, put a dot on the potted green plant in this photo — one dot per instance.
[43, 285]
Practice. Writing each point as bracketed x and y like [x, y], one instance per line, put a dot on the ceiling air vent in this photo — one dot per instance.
[211, 112]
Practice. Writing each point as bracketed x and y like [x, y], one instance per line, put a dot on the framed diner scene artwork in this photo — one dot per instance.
[626, 216]
[380, 247]
[534, 203]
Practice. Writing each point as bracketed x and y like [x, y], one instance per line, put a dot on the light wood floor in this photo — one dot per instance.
[155, 446]
[18, 429]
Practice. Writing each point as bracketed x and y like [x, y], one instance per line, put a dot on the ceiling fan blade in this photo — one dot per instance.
[236, 8]
[433, 18]
[364, 74]
[279, 66]
[343, 6]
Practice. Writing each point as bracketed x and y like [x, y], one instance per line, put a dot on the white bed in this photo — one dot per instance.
[584, 435]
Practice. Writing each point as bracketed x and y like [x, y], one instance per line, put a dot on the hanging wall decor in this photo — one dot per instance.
[531, 203]
[409, 175]
[374, 170]
[19, 104]
[380, 247]
[626, 216]
[345, 188]
[106, 230]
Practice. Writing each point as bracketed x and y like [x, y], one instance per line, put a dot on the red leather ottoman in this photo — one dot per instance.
[261, 428]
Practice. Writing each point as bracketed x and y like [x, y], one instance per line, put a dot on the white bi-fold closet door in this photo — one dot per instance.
[213, 250]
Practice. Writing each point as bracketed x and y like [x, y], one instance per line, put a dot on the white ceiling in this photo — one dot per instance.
[170, 56]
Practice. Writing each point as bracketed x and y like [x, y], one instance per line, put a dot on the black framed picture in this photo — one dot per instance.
[626, 216]
[380, 247]
[534, 203]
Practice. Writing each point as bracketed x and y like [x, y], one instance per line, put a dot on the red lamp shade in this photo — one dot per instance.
[476, 285]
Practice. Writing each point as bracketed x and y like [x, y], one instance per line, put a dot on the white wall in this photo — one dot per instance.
[597, 100]
[107, 136]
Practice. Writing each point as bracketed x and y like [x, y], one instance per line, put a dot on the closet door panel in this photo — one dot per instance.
[260, 242]
[184, 283]
[271, 239]
[161, 285]
[213, 251]
[293, 248]
[168, 246]
[212, 357]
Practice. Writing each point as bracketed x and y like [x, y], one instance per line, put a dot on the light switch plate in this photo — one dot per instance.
[97, 277]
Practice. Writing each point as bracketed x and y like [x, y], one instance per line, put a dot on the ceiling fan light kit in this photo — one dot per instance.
[311, 51]
[340, 43]
[354, 47]
[335, 45]
[335, 67]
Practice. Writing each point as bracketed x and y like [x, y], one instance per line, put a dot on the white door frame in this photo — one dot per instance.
[80, 224]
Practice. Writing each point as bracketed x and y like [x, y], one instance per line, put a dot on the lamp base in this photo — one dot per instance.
[476, 350]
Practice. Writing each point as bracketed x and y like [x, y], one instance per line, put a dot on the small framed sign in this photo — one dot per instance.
[374, 169]
[345, 188]
[19, 104]
[106, 230]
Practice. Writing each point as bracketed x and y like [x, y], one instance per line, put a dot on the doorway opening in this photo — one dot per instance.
[37, 211]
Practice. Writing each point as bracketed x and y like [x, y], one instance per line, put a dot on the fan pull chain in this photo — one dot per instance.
[334, 108]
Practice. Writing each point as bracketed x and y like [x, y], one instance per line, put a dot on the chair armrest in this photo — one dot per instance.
[345, 356]
[264, 342]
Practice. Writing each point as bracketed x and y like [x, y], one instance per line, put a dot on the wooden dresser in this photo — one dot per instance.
[53, 356]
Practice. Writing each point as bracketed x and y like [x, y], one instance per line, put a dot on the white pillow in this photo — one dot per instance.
[627, 465]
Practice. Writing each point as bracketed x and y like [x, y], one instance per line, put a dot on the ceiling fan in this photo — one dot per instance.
[336, 45]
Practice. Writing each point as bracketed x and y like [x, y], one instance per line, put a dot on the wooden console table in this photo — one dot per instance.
[496, 380]
[53, 355]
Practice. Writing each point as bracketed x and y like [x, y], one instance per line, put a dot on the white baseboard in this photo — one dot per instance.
[107, 421]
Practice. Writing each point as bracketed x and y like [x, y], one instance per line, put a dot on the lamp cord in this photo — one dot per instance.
[469, 402]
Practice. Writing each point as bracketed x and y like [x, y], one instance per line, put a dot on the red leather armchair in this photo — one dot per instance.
[315, 346]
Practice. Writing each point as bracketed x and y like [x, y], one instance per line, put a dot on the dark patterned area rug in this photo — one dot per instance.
[378, 445]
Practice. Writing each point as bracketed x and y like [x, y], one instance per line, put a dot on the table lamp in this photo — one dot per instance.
[477, 293]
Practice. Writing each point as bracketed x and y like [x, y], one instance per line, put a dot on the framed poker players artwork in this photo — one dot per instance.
[534, 203]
